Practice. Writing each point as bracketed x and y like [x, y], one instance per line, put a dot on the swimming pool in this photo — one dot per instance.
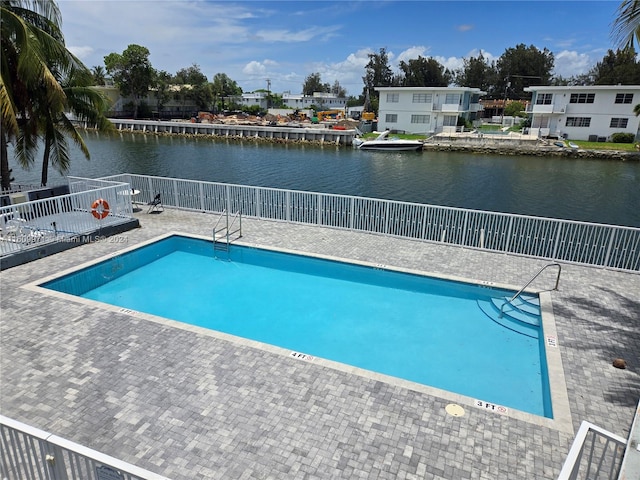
[421, 329]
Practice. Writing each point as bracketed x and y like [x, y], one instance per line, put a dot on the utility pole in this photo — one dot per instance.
[268, 92]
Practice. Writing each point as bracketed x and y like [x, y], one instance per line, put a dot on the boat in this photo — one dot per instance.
[383, 143]
[573, 146]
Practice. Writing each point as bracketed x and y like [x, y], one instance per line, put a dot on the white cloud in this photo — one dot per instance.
[254, 68]
[81, 52]
[412, 53]
[569, 63]
[452, 63]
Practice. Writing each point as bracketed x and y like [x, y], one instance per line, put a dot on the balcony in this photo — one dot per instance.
[548, 109]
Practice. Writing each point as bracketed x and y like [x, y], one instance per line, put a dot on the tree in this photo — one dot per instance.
[378, 73]
[617, 67]
[194, 86]
[626, 27]
[131, 72]
[313, 83]
[35, 63]
[476, 72]
[85, 104]
[31, 36]
[223, 87]
[515, 109]
[519, 67]
[424, 72]
[338, 90]
[98, 74]
[162, 93]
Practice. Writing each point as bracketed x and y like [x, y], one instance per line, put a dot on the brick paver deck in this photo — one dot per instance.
[188, 404]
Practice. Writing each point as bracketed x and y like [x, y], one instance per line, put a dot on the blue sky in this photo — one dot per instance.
[285, 41]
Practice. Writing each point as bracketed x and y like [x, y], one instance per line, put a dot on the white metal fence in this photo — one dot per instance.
[595, 455]
[608, 246]
[26, 224]
[31, 453]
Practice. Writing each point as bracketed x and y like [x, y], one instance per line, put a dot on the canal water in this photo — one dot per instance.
[601, 191]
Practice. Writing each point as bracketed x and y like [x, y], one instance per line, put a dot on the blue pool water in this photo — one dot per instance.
[421, 329]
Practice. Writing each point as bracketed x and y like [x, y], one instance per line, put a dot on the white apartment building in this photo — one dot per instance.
[591, 113]
[321, 100]
[427, 110]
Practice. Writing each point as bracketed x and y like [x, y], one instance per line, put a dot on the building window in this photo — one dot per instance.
[618, 123]
[452, 98]
[578, 121]
[544, 99]
[391, 118]
[420, 119]
[624, 97]
[582, 98]
[450, 120]
[421, 98]
[393, 97]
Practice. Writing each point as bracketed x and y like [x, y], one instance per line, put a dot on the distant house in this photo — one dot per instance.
[320, 100]
[427, 110]
[590, 113]
[177, 104]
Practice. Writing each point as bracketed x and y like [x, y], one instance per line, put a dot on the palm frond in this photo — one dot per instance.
[626, 28]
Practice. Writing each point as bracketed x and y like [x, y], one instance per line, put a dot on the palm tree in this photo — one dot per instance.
[85, 104]
[30, 35]
[35, 65]
[626, 28]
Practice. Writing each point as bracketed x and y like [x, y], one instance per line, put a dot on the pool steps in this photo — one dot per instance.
[522, 315]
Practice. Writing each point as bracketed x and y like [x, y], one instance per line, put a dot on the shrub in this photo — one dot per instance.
[622, 137]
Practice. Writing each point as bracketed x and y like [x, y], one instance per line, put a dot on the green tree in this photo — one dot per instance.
[162, 92]
[424, 72]
[476, 72]
[223, 87]
[83, 103]
[41, 81]
[195, 86]
[131, 72]
[338, 90]
[98, 74]
[520, 67]
[617, 67]
[31, 36]
[515, 109]
[378, 73]
[313, 83]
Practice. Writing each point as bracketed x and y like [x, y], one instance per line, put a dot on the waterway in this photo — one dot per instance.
[601, 191]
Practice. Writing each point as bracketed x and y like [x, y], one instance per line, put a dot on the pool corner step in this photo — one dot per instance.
[510, 320]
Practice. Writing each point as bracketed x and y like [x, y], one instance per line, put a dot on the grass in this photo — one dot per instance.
[625, 147]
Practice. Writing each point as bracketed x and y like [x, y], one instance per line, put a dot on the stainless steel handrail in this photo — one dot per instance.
[529, 283]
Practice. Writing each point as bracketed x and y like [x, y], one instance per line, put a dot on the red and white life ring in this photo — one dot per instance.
[100, 209]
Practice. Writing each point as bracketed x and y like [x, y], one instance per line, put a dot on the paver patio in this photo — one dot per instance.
[188, 404]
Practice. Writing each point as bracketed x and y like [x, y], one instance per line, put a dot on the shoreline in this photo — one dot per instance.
[519, 149]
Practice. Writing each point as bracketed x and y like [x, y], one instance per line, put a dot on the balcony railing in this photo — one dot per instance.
[584, 243]
[30, 453]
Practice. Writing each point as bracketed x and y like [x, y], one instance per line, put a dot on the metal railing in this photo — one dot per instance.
[595, 454]
[30, 224]
[609, 246]
[31, 453]
[517, 294]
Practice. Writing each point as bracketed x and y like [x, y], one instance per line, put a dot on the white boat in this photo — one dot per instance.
[383, 143]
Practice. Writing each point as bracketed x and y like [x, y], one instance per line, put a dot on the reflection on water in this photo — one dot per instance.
[589, 190]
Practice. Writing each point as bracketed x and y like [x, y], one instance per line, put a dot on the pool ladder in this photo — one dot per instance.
[519, 292]
[222, 236]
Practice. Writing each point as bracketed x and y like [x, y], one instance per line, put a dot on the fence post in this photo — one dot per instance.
[319, 219]
[610, 246]
[201, 189]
